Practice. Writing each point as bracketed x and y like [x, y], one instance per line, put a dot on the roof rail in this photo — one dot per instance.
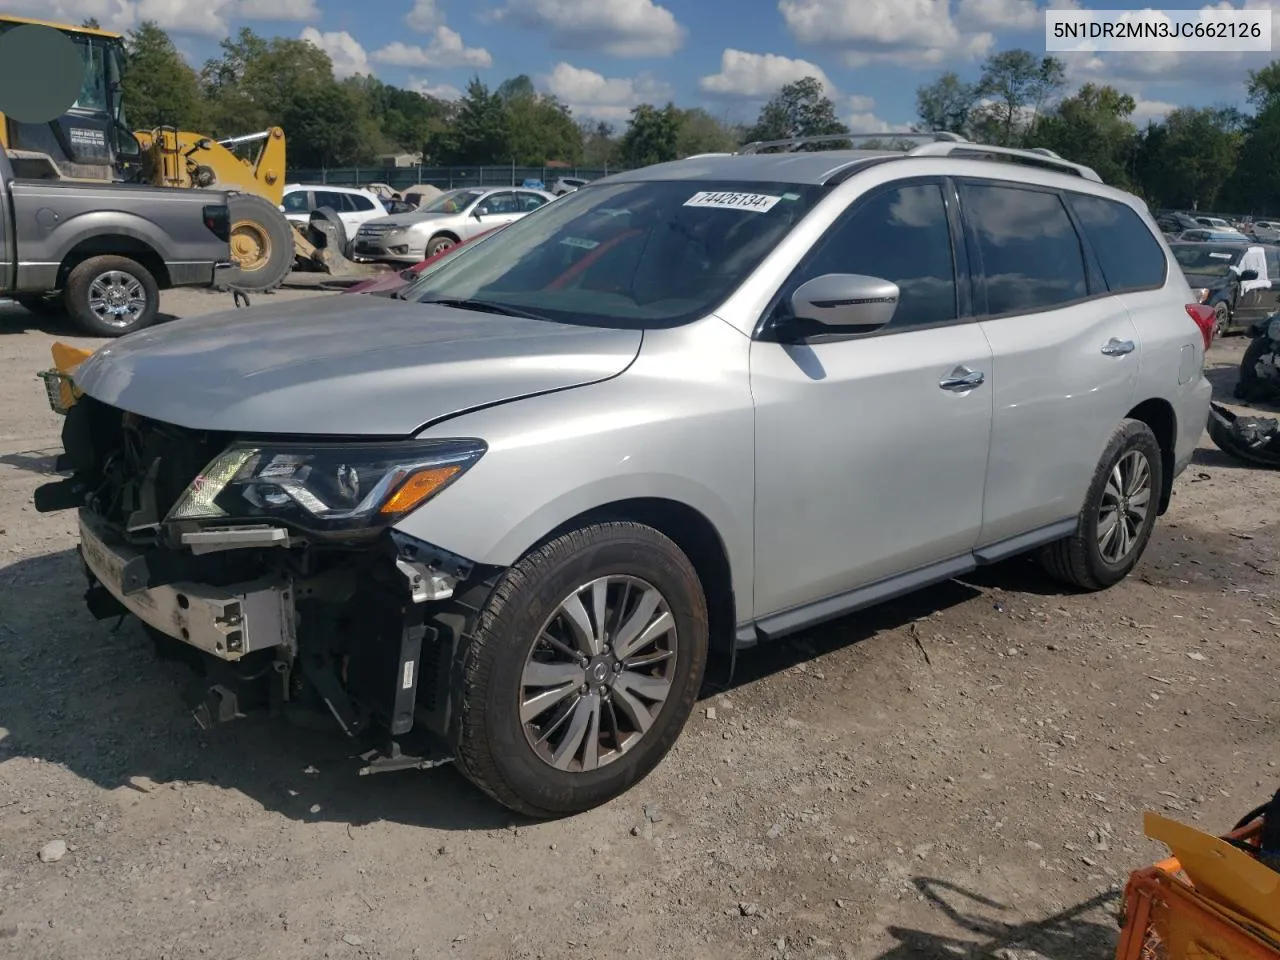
[1037, 157]
[759, 145]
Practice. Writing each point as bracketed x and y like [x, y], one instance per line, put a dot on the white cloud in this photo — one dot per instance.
[348, 56]
[758, 76]
[445, 51]
[867, 122]
[441, 91]
[920, 33]
[425, 16]
[618, 28]
[860, 104]
[1147, 110]
[999, 14]
[274, 9]
[595, 96]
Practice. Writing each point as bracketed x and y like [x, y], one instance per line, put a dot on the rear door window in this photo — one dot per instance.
[1029, 252]
[1130, 257]
[329, 198]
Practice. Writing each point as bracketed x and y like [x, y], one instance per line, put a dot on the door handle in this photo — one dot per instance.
[962, 378]
[1117, 348]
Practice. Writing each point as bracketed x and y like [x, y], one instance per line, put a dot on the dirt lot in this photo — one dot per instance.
[960, 773]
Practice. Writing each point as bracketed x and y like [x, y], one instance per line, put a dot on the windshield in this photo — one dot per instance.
[645, 254]
[1207, 261]
[455, 201]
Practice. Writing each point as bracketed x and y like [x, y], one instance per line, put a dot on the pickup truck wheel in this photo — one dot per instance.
[111, 296]
[1118, 516]
[581, 669]
[261, 246]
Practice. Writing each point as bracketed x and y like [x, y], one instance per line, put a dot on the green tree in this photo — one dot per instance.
[480, 131]
[700, 132]
[540, 129]
[91, 23]
[599, 144]
[159, 87]
[1016, 85]
[799, 109]
[653, 136]
[1254, 187]
[516, 88]
[945, 105]
[1187, 160]
[1093, 127]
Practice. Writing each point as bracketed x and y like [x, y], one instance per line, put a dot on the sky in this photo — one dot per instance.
[602, 57]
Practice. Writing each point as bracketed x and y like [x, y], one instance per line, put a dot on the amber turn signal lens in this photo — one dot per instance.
[417, 488]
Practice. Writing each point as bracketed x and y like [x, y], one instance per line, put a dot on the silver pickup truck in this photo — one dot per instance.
[103, 252]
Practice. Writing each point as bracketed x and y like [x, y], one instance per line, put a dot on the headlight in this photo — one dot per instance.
[1202, 294]
[348, 488]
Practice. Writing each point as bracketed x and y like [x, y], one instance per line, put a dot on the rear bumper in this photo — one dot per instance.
[1192, 419]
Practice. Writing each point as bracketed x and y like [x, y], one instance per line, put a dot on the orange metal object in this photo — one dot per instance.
[1167, 918]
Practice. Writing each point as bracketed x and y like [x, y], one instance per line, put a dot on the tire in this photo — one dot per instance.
[438, 244]
[43, 304]
[101, 284]
[1250, 386]
[1079, 560]
[261, 246]
[496, 749]
[1221, 319]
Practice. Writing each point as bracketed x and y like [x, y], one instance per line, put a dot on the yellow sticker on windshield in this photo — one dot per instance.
[754, 202]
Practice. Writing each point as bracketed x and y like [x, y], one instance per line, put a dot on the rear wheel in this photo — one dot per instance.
[261, 246]
[1221, 319]
[581, 669]
[1119, 513]
[111, 296]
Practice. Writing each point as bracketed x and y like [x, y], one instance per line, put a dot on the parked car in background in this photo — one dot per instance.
[1207, 235]
[1265, 231]
[1241, 281]
[353, 205]
[1172, 224]
[567, 185]
[1214, 223]
[446, 221]
[389, 283]
[420, 193]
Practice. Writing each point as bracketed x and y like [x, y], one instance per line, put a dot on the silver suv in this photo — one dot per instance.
[519, 511]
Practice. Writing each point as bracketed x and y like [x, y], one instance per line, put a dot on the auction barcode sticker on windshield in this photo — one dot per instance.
[755, 202]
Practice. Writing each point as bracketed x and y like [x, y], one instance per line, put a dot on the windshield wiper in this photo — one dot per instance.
[487, 306]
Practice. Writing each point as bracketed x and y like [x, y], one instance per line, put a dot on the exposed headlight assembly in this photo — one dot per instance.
[345, 489]
[1273, 329]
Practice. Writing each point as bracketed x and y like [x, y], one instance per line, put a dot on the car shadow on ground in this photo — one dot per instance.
[1085, 931]
[39, 462]
[93, 697]
[14, 319]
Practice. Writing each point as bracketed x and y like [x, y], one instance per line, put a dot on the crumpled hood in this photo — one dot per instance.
[344, 366]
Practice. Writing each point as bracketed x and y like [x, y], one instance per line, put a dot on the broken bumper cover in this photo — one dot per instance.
[225, 622]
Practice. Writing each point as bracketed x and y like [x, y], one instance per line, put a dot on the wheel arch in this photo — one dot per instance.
[1158, 414]
[118, 245]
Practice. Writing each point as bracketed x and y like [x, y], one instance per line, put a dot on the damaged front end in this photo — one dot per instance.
[272, 567]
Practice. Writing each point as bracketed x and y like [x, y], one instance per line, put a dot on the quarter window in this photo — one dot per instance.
[296, 202]
[1129, 255]
[899, 234]
[358, 202]
[530, 201]
[1031, 256]
[328, 198]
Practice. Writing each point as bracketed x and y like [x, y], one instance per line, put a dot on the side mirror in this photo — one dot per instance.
[1248, 274]
[480, 212]
[849, 300]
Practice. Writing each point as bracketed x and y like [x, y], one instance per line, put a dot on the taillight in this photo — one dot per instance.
[218, 220]
[1206, 319]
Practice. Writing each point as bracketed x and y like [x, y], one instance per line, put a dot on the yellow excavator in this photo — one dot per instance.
[92, 141]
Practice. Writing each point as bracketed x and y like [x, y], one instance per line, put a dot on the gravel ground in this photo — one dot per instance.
[961, 773]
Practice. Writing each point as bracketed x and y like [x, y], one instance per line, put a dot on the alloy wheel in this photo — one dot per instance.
[1126, 499]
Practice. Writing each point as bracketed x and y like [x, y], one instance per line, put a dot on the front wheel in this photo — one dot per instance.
[438, 245]
[1119, 513]
[581, 669]
[111, 296]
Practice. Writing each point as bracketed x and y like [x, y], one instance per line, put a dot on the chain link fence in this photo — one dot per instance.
[446, 178]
